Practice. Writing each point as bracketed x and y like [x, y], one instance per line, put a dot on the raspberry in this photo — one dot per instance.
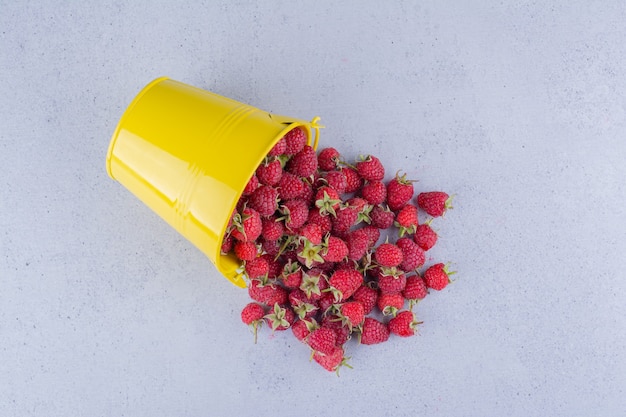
[374, 192]
[295, 213]
[413, 256]
[425, 236]
[435, 203]
[358, 244]
[399, 192]
[269, 172]
[382, 217]
[256, 268]
[391, 283]
[403, 324]
[367, 296]
[290, 186]
[300, 330]
[370, 168]
[389, 304]
[323, 340]
[327, 200]
[333, 361]
[344, 283]
[328, 159]
[373, 234]
[373, 332]
[335, 250]
[279, 148]
[311, 232]
[346, 218]
[247, 225]
[353, 181]
[268, 294]
[388, 255]
[295, 140]
[304, 163]
[264, 200]
[323, 221]
[281, 318]
[272, 229]
[336, 180]
[415, 289]
[437, 276]
[406, 219]
[252, 185]
[252, 315]
[246, 251]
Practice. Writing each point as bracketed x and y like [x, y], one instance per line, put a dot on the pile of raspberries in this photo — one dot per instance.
[330, 251]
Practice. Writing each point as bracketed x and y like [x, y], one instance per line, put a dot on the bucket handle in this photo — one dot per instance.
[316, 126]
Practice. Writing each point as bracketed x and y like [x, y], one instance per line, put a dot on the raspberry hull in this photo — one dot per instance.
[307, 231]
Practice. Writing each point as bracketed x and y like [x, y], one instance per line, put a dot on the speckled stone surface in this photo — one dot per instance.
[518, 108]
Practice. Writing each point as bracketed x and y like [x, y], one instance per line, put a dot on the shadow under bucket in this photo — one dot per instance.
[188, 154]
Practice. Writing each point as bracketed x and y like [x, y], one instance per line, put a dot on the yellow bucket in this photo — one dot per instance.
[188, 154]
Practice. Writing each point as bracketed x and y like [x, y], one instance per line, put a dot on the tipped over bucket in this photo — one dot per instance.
[188, 154]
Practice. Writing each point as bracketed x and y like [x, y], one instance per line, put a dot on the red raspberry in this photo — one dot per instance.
[415, 289]
[374, 192]
[353, 181]
[352, 314]
[333, 361]
[333, 322]
[346, 218]
[295, 140]
[389, 304]
[358, 244]
[437, 276]
[337, 180]
[312, 232]
[413, 256]
[324, 222]
[268, 294]
[327, 200]
[290, 186]
[370, 168]
[252, 315]
[304, 163]
[257, 267]
[300, 330]
[271, 247]
[344, 283]
[388, 255]
[281, 318]
[373, 332]
[425, 236]
[326, 302]
[399, 192]
[366, 296]
[382, 217]
[403, 324]
[304, 307]
[279, 148]
[313, 283]
[435, 203]
[328, 159]
[269, 172]
[391, 283]
[406, 219]
[272, 229]
[227, 244]
[252, 185]
[323, 340]
[246, 251]
[247, 226]
[373, 233]
[335, 250]
[275, 268]
[291, 275]
[264, 200]
[295, 212]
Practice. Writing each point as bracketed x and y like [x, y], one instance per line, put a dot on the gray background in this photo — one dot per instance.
[517, 107]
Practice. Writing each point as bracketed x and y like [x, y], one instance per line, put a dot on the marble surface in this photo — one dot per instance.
[517, 107]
